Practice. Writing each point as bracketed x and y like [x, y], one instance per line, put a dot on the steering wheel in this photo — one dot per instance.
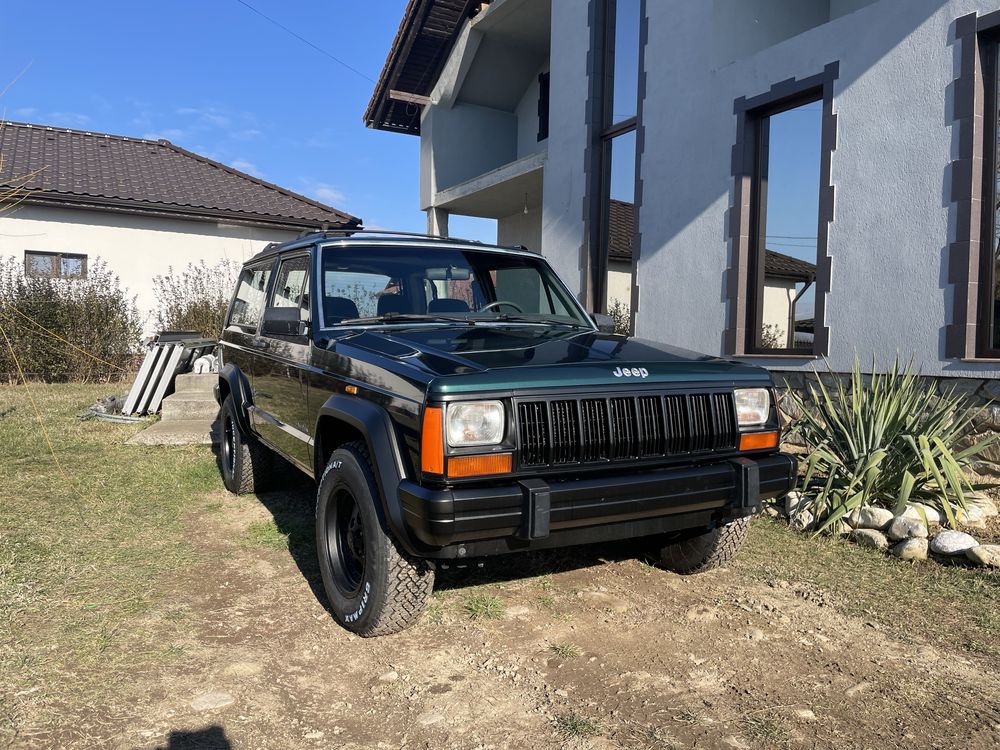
[498, 303]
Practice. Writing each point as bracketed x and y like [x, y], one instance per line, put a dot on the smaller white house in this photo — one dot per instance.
[141, 206]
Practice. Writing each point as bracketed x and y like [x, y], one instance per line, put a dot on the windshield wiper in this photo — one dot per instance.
[396, 317]
[529, 319]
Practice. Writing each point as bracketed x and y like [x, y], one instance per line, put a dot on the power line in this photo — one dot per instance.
[306, 41]
[790, 237]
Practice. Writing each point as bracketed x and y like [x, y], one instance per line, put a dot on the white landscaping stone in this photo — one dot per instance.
[792, 502]
[905, 528]
[987, 555]
[972, 516]
[932, 515]
[801, 520]
[870, 518]
[952, 543]
[910, 549]
[984, 503]
[870, 538]
[208, 701]
[390, 676]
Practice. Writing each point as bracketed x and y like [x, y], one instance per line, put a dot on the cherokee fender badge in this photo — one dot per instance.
[630, 372]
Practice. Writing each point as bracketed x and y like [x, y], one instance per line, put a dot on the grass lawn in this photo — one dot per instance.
[91, 548]
[86, 546]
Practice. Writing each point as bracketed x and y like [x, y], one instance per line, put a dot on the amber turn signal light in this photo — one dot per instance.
[432, 441]
[755, 441]
[479, 466]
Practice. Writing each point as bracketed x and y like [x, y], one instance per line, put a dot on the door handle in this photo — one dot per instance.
[261, 344]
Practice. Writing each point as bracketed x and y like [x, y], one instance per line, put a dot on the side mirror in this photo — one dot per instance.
[605, 323]
[283, 321]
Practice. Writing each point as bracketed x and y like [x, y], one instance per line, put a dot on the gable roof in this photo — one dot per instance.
[74, 168]
[787, 267]
[421, 47]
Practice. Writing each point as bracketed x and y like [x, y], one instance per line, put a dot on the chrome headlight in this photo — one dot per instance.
[475, 423]
[753, 406]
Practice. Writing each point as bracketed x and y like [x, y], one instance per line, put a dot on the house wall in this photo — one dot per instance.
[893, 220]
[563, 229]
[777, 306]
[136, 248]
[619, 283]
[527, 119]
[521, 229]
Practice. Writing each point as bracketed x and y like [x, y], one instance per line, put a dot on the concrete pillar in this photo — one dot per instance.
[437, 221]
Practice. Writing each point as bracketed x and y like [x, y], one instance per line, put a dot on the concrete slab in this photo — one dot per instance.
[178, 432]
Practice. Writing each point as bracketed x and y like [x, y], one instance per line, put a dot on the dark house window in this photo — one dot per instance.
[779, 222]
[988, 324]
[55, 265]
[616, 97]
[543, 106]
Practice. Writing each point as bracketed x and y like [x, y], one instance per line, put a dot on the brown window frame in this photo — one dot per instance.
[57, 266]
[968, 334]
[598, 201]
[986, 318]
[748, 215]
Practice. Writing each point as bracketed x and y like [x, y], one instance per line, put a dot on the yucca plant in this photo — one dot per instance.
[885, 442]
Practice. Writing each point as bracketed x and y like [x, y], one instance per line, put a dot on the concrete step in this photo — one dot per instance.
[178, 432]
[189, 405]
[201, 383]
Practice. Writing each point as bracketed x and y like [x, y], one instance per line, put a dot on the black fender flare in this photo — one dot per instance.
[239, 389]
[378, 431]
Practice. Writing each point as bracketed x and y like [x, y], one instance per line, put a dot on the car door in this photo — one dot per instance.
[239, 339]
[280, 388]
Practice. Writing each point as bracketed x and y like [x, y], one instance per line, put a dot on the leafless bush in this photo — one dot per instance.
[85, 330]
[196, 298]
[622, 316]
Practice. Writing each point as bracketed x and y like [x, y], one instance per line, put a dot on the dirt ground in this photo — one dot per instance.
[592, 649]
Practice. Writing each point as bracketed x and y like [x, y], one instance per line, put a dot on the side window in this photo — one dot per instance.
[249, 302]
[291, 288]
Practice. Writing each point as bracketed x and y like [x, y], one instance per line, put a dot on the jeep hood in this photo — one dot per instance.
[466, 359]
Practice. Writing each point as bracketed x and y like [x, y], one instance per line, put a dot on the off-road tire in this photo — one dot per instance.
[394, 587]
[713, 549]
[244, 461]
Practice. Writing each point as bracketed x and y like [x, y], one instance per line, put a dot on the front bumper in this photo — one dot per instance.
[531, 513]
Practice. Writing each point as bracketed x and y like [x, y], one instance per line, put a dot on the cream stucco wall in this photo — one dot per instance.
[777, 308]
[619, 283]
[137, 248]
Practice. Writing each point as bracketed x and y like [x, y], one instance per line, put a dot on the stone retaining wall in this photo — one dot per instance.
[985, 393]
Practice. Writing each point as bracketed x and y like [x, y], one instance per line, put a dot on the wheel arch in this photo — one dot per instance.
[343, 419]
[233, 382]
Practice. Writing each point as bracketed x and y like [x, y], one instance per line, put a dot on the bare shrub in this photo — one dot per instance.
[622, 316]
[196, 298]
[85, 329]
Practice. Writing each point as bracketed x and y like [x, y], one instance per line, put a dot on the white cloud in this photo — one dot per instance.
[245, 166]
[168, 134]
[25, 112]
[323, 192]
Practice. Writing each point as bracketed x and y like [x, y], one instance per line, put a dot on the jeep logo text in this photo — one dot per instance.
[630, 372]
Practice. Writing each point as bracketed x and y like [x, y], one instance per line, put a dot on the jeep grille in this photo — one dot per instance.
[621, 428]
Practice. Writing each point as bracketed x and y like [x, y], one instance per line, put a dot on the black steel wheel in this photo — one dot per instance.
[373, 586]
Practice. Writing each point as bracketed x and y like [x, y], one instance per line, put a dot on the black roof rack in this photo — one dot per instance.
[346, 233]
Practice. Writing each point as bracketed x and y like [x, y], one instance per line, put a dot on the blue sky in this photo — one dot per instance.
[214, 77]
[217, 78]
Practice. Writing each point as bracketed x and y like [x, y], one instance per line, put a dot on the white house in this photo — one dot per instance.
[142, 206]
[854, 137]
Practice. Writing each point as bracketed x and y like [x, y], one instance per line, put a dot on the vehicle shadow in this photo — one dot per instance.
[209, 738]
[291, 501]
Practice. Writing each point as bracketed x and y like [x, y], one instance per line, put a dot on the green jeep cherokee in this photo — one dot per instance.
[453, 400]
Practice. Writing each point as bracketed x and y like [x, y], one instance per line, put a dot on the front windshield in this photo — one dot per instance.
[387, 284]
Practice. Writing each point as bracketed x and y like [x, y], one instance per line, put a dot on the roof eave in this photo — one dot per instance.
[184, 213]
